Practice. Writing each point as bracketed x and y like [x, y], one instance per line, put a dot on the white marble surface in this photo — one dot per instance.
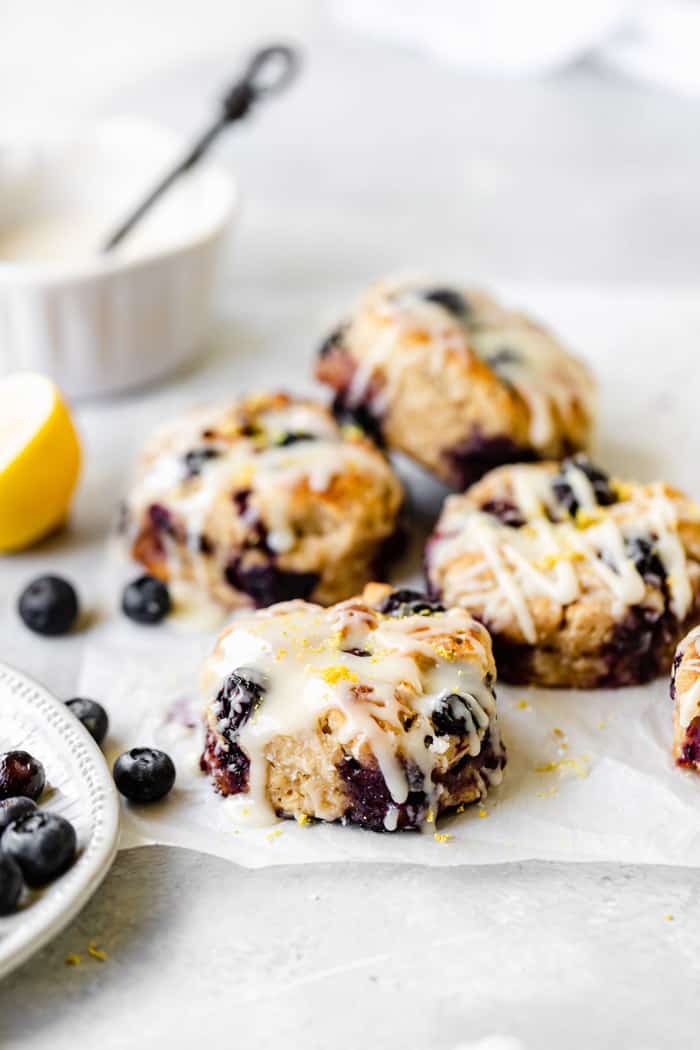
[379, 160]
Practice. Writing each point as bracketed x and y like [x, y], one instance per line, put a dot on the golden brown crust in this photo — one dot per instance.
[597, 637]
[275, 521]
[391, 677]
[425, 376]
[685, 693]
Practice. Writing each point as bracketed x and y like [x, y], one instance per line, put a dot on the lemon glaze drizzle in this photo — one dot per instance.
[294, 649]
[540, 557]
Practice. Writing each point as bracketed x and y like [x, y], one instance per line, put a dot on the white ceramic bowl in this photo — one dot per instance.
[103, 323]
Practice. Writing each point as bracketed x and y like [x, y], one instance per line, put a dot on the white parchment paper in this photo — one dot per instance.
[589, 776]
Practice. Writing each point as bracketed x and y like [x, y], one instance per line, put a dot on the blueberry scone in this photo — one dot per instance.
[582, 581]
[378, 711]
[261, 501]
[685, 693]
[456, 381]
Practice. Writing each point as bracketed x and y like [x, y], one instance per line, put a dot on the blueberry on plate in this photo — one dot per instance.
[21, 774]
[43, 844]
[146, 600]
[10, 884]
[12, 809]
[49, 605]
[92, 715]
[144, 774]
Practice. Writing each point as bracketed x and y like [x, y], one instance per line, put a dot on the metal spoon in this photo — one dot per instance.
[268, 72]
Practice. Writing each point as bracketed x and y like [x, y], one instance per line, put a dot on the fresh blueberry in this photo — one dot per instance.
[49, 605]
[43, 844]
[20, 775]
[452, 300]
[408, 603]
[241, 500]
[293, 437]
[240, 694]
[266, 584]
[358, 415]
[677, 661]
[12, 809]
[146, 600]
[144, 774]
[479, 452]
[196, 458]
[369, 798]
[506, 512]
[452, 716]
[505, 355]
[332, 340]
[92, 715]
[161, 519]
[227, 765]
[645, 555]
[10, 884]
[600, 482]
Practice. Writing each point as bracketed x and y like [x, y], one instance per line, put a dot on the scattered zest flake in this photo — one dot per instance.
[523, 705]
[483, 812]
[443, 651]
[584, 518]
[430, 818]
[96, 953]
[442, 837]
[273, 834]
[578, 766]
[339, 673]
[303, 819]
[73, 959]
[668, 917]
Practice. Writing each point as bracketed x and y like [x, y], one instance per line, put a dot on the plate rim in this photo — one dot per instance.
[50, 914]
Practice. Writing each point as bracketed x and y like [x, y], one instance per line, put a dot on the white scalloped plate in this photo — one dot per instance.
[79, 787]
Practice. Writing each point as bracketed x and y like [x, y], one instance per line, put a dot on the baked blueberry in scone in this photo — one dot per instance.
[378, 711]
[263, 500]
[582, 580]
[685, 693]
[456, 381]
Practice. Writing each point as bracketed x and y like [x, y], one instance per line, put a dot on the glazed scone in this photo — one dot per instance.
[456, 381]
[261, 501]
[685, 693]
[582, 581]
[379, 711]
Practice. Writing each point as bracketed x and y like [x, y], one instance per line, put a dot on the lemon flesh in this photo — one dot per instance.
[39, 459]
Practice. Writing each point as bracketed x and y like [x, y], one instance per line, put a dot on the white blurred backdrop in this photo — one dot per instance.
[543, 141]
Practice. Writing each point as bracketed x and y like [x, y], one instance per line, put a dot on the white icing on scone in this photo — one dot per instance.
[268, 481]
[502, 571]
[351, 691]
[554, 384]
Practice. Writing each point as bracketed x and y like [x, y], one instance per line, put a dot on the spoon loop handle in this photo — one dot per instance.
[283, 66]
[268, 72]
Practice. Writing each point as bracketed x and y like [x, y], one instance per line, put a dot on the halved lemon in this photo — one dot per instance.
[39, 459]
